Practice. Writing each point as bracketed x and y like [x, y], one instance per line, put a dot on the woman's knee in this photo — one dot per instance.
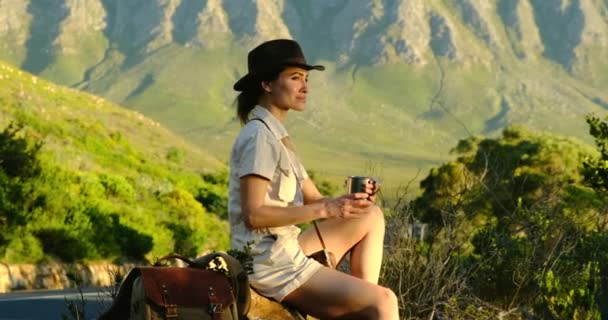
[385, 303]
[376, 217]
[389, 300]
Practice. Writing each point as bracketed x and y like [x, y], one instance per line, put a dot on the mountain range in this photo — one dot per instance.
[405, 79]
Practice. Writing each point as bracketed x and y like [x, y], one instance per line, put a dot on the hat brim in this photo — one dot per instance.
[247, 79]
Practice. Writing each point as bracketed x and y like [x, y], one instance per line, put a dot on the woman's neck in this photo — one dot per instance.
[279, 113]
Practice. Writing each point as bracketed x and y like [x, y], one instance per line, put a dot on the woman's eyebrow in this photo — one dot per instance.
[298, 72]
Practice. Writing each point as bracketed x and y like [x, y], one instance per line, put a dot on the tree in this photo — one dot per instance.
[19, 164]
[596, 168]
[523, 211]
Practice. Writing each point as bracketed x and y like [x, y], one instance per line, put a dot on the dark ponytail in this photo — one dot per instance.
[247, 100]
[250, 97]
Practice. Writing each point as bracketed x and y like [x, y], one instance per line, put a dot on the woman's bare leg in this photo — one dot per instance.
[365, 236]
[330, 294]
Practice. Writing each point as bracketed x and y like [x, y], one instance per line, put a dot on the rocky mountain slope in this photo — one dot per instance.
[420, 74]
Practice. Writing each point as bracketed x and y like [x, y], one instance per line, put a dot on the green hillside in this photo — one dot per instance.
[111, 182]
[398, 119]
[349, 125]
[405, 80]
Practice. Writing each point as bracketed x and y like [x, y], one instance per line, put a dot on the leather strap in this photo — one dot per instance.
[319, 234]
[327, 257]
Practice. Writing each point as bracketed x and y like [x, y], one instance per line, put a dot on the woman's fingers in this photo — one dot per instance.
[372, 198]
[348, 206]
[359, 195]
[355, 208]
[370, 188]
[354, 212]
[359, 199]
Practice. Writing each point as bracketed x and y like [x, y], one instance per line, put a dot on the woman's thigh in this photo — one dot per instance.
[340, 235]
[330, 294]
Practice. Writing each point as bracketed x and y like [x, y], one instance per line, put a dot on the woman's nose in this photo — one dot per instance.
[304, 86]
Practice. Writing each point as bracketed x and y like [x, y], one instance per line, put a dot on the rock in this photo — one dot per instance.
[263, 308]
[53, 275]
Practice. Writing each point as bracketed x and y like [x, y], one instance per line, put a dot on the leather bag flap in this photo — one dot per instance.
[186, 287]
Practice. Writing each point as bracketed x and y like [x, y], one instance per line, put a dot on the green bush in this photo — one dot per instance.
[24, 246]
[596, 168]
[518, 213]
[18, 156]
[212, 193]
[576, 300]
[63, 244]
[191, 225]
[214, 198]
[117, 186]
[19, 165]
[175, 155]
[114, 239]
[79, 213]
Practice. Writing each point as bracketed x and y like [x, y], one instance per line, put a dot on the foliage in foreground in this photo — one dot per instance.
[518, 226]
[83, 179]
[51, 211]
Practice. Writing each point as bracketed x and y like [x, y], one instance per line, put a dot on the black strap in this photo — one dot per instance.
[262, 121]
[329, 262]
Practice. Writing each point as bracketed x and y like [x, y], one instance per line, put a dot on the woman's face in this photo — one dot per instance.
[289, 90]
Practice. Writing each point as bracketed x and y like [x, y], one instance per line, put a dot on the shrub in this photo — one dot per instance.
[63, 244]
[19, 165]
[516, 212]
[175, 155]
[185, 218]
[117, 186]
[24, 246]
[214, 198]
[577, 300]
[18, 156]
[115, 239]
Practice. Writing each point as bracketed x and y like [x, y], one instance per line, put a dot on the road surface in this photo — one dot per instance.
[50, 304]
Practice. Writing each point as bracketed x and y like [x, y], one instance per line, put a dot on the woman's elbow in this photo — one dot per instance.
[250, 220]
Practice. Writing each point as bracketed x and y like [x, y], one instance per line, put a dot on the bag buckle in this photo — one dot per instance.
[215, 307]
[171, 311]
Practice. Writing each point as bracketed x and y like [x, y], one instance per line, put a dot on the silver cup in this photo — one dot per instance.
[356, 184]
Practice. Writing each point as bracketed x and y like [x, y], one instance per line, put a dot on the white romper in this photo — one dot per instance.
[279, 265]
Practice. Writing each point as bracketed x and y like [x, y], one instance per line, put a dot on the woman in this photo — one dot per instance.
[270, 193]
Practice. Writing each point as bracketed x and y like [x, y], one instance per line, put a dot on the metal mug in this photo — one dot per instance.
[356, 184]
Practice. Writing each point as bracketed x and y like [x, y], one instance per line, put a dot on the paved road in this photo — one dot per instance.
[49, 304]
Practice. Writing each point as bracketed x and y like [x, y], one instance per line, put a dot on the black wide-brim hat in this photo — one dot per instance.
[271, 56]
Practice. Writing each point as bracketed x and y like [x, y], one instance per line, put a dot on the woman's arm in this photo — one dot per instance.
[257, 215]
[312, 194]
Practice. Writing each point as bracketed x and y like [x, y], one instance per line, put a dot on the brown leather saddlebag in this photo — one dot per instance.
[194, 292]
[181, 293]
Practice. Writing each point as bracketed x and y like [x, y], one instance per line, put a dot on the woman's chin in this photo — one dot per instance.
[298, 107]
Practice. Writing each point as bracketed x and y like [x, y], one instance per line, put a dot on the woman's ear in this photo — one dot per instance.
[266, 86]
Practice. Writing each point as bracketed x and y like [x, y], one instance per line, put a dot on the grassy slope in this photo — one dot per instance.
[74, 122]
[90, 137]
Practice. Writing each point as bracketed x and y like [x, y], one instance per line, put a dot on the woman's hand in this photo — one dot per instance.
[347, 206]
[371, 188]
